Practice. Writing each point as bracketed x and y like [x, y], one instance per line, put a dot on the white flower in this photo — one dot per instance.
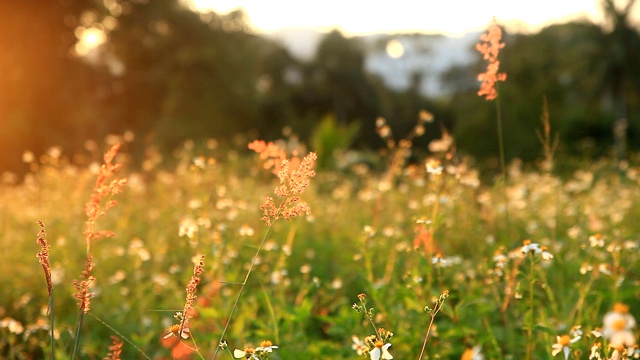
[380, 351]
[358, 345]
[618, 325]
[545, 254]
[266, 347]
[474, 353]
[595, 352]
[529, 247]
[562, 344]
[247, 353]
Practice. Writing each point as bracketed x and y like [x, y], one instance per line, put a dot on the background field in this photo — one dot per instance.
[363, 236]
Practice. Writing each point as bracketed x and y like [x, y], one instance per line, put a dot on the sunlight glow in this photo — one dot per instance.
[455, 17]
[395, 49]
[89, 39]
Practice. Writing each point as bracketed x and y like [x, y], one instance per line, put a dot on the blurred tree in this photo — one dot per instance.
[567, 63]
[40, 81]
[618, 70]
[335, 82]
[182, 74]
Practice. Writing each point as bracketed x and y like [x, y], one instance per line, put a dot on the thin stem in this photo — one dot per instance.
[424, 343]
[76, 344]
[531, 318]
[503, 166]
[242, 286]
[436, 308]
[121, 336]
[51, 333]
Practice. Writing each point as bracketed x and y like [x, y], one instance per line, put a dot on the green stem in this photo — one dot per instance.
[76, 344]
[51, 332]
[503, 166]
[242, 286]
[531, 317]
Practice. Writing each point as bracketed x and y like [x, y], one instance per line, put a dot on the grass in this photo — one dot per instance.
[311, 269]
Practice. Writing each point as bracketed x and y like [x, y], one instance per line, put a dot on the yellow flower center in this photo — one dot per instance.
[619, 324]
[564, 340]
[249, 350]
[467, 355]
[621, 308]
[379, 344]
[266, 343]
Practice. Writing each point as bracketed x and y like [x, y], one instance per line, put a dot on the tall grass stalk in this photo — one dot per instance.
[292, 183]
[433, 311]
[242, 286]
[503, 168]
[43, 258]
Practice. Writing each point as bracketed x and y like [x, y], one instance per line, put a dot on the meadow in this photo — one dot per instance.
[404, 254]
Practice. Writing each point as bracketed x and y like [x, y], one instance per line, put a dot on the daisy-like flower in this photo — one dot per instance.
[633, 352]
[619, 352]
[563, 344]
[358, 345]
[618, 325]
[266, 347]
[380, 351]
[530, 247]
[595, 352]
[247, 353]
[434, 167]
[174, 330]
[474, 353]
[546, 255]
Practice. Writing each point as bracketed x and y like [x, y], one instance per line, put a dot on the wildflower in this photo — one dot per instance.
[529, 247]
[576, 331]
[43, 256]
[266, 347]
[104, 187]
[618, 325]
[474, 353]
[191, 293]
[434, 167]
[270, 152]
[489, 46]
[562, 344]
[596, 333]
[115, 350]
[247, 353]
[174, 330]
[380, 350]
[545, 254]
[82, 287]
[358, 345]
[619, 352]
[292, 184]
[596, 240]
[595, 352]
[14, 326]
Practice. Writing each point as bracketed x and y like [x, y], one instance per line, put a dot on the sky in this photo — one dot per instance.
[451, 17]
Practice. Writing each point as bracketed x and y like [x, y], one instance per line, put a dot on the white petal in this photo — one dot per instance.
[375, 354]
[238, 354]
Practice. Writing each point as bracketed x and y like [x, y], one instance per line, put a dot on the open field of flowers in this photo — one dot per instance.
[252, 251]
[536, 266]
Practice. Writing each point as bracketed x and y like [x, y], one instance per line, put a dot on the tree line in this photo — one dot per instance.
[168, 73]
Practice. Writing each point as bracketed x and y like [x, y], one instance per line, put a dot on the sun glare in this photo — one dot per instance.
[360, 17]
[89, 39]
[395, 49]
